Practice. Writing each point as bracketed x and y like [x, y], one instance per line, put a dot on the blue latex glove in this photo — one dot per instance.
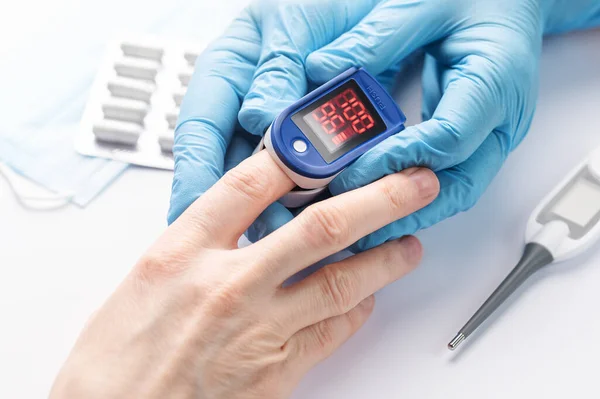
[480, 89]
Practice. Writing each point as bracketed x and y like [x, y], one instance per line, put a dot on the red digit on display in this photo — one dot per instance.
[349, 113]
[363, 124]
[370, 121]
[337, 121]
[358, 126]
[341, 101]
[328, 109]
[319, 115]
[358, 108]
[329, 127]
[349, 96]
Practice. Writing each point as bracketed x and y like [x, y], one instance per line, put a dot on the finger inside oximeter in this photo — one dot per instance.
[324, 132]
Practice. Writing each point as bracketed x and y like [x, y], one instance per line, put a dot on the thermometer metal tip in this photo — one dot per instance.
[460, 337]
[534, 257]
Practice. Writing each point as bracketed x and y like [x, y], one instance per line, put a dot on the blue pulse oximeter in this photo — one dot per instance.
[324, 132]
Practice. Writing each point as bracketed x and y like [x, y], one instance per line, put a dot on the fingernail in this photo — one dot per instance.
[367, 303]
[425, 180]
[411, 249]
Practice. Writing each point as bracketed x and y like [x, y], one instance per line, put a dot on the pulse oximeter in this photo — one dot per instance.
[324, 132]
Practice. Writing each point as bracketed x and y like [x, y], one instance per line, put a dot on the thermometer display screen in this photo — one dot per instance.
[340, 121]
[580, 204]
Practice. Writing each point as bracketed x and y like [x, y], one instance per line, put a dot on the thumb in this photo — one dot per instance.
[386, 36]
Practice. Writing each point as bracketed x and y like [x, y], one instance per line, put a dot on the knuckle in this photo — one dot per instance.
[324, 336]
[326, 225]
[192, 293]
[338, 289]
[158, 265]
[389, 257]
[231, 293]
[250, 181]
[394, 195]
[226, 300]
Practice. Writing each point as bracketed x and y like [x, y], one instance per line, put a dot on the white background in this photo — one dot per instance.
[56, 268]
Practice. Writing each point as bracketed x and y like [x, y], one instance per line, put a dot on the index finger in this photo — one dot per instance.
[330, 226]
[220, 217]
[209, 112]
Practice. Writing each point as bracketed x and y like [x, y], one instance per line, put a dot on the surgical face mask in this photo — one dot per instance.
[46, 157]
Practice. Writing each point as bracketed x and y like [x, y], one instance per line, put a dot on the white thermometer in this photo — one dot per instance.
[565, 224]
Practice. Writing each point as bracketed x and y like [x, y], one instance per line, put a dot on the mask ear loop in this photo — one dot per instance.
[48, 202]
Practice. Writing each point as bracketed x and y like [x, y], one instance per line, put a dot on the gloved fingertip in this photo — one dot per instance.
[254, 119]
[322, 66]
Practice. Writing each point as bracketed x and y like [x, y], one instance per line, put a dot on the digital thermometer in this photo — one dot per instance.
[324, 132]
[564, 225]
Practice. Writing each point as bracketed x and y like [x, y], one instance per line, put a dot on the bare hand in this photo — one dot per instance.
[199, 318]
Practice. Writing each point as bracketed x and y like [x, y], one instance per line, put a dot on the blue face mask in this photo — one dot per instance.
[46, 157]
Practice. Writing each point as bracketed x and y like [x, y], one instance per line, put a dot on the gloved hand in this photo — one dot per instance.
[480, 89]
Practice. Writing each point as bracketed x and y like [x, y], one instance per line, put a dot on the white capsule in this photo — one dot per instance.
[178, 97]
[142, 51]
[191, 57]
[137, 68]
[185, 77]
[131, 88]
[166, 140]
[171, 118]
[124, 109]
[117, 132]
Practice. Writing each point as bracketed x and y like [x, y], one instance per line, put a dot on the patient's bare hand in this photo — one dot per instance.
[199, 318]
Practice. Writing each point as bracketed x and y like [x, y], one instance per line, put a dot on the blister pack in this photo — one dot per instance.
[134, 103]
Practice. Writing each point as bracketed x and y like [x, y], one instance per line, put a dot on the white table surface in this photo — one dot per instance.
[59, 267]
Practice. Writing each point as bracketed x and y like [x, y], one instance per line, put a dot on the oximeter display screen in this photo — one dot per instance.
[340, 120]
